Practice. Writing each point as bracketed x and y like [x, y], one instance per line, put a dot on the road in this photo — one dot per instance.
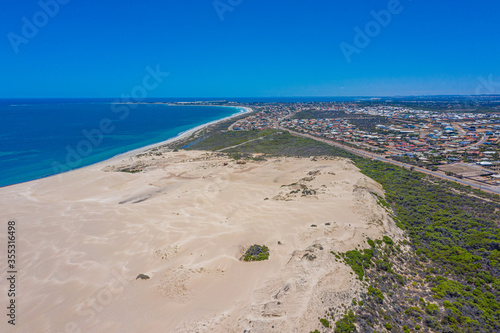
[362, 153]
[241, 144]
[483, 139]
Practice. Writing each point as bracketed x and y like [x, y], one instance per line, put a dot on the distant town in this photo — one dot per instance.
[462, 144]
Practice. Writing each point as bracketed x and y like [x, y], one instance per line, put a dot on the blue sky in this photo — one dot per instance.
[259, 49]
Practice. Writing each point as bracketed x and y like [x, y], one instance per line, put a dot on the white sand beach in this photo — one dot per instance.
[184, 219]
[185, 134]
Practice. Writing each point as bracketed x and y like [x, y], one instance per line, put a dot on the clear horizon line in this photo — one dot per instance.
[267, 97]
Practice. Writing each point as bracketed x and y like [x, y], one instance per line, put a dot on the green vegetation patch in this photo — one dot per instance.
[346, 324]
[325, 322]
[358, 261]
[453, 239]
[376, 293]
[388, 240]
[131, 170]
[256, 253]
[280, 143]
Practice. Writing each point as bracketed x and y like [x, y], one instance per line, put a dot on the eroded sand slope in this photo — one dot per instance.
[185, 221]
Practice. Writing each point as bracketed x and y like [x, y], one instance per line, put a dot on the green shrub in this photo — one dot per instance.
[359, 261]
[376, 293]
[388, 240]
[346, 324]
[413, 311]
[256, 253]
[431, 308]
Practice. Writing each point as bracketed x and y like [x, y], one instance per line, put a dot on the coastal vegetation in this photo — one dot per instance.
[443, 277]
[256, 253]
[132, 169]
[447, 279]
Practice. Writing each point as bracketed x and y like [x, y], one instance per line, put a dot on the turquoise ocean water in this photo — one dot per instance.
[40, 138]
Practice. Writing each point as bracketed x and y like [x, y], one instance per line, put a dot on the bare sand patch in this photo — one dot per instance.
[184, 219]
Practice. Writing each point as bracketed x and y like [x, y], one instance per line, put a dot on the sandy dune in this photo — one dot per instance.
[185, 221]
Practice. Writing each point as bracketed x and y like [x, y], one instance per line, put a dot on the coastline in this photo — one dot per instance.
[184, 222]
[165, 233]
[180, 136]
[131, 153]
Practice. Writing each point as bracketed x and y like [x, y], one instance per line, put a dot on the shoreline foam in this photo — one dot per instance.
[179, 136]
[130, 153]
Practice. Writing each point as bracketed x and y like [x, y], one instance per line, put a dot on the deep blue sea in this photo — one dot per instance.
[40, 138]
